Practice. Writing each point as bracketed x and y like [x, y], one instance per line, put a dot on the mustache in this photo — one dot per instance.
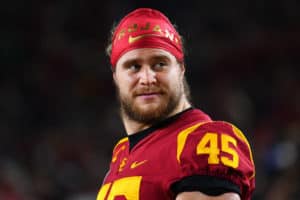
[148, 90]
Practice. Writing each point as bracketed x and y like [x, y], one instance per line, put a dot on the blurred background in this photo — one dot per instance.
[58, 113]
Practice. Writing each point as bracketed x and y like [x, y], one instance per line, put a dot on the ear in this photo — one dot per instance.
[182, 69]
[114, 77]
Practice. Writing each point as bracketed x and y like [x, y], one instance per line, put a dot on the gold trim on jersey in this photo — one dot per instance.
[182, 136]
[242, 137]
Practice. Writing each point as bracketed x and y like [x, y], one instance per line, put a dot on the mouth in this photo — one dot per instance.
[149, 95]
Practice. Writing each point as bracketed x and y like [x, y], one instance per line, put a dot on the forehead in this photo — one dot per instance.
[145, 54]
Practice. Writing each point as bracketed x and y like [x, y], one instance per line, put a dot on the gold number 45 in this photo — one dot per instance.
[209, 145]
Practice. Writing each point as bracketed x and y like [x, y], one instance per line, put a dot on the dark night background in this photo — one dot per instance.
[59, 116]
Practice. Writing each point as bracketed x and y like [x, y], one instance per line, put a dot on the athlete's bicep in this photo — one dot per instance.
[202, 196]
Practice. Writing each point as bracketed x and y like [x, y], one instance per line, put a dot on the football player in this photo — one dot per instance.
[172, 150]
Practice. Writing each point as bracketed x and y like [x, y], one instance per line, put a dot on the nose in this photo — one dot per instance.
[147, 75]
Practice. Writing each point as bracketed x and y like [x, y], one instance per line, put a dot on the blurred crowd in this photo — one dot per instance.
[59, 118]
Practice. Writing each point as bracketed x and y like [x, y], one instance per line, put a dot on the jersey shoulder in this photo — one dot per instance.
[213, 139]
[216, 148]
[214, 134]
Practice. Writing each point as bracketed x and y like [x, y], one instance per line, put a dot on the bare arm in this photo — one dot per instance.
[201, 196]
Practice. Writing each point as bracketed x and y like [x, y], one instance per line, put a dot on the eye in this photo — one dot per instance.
[133, 67]
[159, 65]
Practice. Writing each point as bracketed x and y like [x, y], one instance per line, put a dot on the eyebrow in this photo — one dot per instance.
[152, 58]
[131, 61]
[160, 57]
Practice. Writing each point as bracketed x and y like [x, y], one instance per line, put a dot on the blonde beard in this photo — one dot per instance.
[154, 115]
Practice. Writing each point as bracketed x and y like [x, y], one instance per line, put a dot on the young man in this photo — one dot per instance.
[172, 151]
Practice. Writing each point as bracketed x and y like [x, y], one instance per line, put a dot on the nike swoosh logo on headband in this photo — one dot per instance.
[133, 39]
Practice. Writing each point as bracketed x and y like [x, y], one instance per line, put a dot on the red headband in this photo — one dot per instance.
[145, 28]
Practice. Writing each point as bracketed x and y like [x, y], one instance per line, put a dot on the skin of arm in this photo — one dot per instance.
[202, 196]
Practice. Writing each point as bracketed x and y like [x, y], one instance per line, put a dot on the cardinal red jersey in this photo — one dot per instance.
[166, 159]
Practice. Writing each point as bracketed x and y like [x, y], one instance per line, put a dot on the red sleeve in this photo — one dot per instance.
[220, 150]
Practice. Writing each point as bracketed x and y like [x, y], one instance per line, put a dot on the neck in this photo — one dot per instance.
[132, 126]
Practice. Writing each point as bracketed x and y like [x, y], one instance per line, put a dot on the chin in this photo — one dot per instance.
[151, 107]
[151, 110]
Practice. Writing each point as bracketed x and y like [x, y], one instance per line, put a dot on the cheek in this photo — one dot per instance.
[124, 82]
[173, 80]
[123, 88]
[126, 89]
